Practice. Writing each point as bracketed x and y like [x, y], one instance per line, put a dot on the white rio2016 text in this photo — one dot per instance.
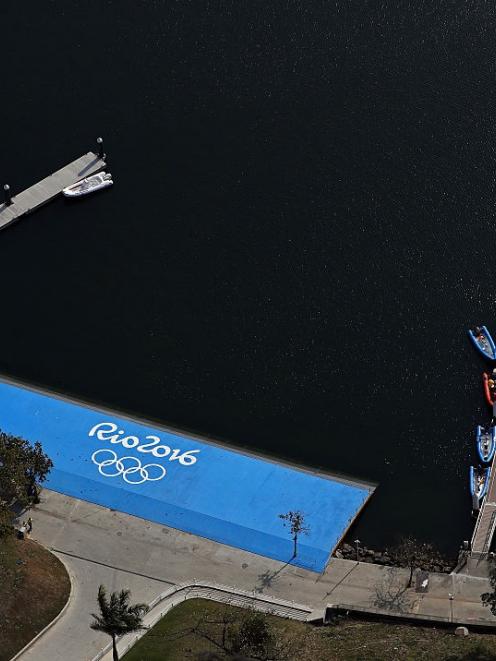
[108, 431]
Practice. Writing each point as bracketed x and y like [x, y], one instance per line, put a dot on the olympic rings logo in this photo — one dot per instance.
[127, 467]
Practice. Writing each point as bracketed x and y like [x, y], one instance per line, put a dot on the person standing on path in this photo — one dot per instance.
[29, 525]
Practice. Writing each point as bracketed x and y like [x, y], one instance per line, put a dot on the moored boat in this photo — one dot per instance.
[489, 381]
[479, 481]
[483, 342]
[486, 443]
[89, 185]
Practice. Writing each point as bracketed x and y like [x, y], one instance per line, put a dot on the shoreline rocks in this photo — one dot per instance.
[346, 551]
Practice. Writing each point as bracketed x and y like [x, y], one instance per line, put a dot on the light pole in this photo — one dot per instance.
[451, 597]
[357, 543]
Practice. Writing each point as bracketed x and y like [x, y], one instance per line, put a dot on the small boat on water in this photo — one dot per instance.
[489, 381]
[486, 443]
[89, 185]
[483, 342]
[479, 481]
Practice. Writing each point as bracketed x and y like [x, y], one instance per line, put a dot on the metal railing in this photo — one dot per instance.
[216, 592]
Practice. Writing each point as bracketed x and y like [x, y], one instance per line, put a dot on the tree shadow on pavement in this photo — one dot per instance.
[391, 593]
[268, 577]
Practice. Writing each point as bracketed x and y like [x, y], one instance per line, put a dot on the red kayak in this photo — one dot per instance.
[489, 392]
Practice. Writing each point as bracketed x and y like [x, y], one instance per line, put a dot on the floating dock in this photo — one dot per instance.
[44, 191]
[183, 481]
[486, 520]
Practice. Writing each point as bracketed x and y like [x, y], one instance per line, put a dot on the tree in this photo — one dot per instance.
[489, 598]
[22, 467]
[241, 635]
[411, 553]
[253, 637]
[37, 467]
[117, 617]
[296, 523]
[6, 527]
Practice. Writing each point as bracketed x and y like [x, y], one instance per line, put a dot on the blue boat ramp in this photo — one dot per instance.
[179, 480]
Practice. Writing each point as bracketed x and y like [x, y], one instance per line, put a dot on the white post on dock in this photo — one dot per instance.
[7, 193]
[101, 153]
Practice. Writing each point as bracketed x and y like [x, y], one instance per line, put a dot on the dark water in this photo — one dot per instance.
[301, 230]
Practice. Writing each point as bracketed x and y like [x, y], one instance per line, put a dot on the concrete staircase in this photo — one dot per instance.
[221, 593]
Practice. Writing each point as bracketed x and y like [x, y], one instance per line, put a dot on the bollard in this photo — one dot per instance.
[8, 194]
[101, 153]
[357, 545]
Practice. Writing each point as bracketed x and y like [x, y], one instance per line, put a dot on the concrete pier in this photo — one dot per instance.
[48, 188]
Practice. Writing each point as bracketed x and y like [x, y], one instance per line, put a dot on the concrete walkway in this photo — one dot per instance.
[102, 546]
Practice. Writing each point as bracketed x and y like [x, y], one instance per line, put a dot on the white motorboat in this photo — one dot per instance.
[89, 185]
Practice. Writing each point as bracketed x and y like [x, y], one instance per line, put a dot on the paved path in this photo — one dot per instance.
[103, 546]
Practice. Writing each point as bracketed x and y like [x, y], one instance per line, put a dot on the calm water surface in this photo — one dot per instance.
[301, 229]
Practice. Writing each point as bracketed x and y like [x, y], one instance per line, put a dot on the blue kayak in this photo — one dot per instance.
[486, 443]
[479, 481]
[483, 342]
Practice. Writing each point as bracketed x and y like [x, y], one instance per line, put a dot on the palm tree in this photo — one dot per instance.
[117, 617]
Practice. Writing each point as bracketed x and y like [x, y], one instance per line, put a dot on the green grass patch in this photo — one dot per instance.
[350, 640]
[34, 586]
